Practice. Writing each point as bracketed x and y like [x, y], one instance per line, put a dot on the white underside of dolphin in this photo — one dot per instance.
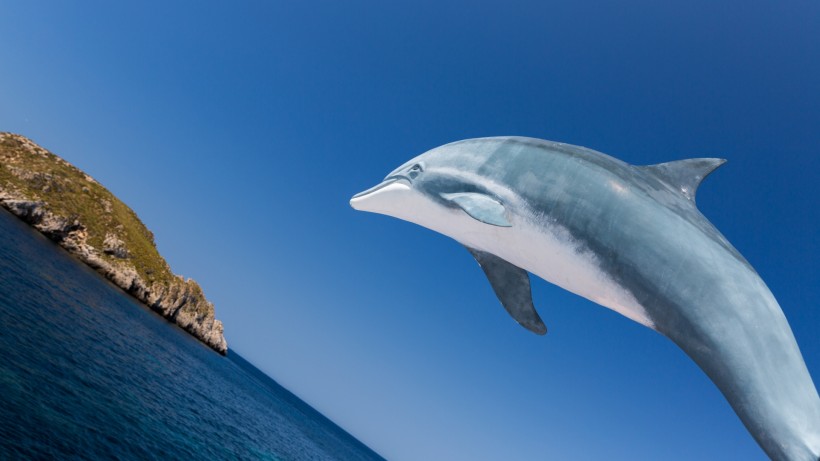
[542, 248]
[625, 237]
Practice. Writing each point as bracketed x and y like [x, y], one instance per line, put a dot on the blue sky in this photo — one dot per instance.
[239, 132]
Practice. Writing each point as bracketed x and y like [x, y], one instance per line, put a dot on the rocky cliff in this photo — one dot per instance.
[82, 216]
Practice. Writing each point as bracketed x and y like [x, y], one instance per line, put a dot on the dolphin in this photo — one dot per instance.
[626, 237]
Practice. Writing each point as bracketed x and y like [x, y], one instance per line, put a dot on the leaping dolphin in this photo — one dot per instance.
[629, 238]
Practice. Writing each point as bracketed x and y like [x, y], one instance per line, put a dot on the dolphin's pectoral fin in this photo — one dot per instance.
[512, 286]
[480, 207]
[685, 175]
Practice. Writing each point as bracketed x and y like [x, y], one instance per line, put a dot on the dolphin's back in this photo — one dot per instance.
[576, 182]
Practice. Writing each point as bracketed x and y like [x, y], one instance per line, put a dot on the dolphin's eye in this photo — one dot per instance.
[414, 171]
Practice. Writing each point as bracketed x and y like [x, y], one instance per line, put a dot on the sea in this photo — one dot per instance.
[88, 373]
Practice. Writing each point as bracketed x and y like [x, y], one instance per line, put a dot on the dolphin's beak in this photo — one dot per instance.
[378, 197]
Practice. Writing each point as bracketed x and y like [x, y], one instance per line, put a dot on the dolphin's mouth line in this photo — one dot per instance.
[387, 181]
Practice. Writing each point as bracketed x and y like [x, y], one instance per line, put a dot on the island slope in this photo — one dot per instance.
[82, 216]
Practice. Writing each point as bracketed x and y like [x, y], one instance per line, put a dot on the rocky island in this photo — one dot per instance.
[78, 213]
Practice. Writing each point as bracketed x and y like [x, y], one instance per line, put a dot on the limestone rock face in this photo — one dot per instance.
[113, 246]
[35, 186]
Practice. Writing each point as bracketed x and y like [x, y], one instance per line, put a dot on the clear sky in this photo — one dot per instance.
[239, 130]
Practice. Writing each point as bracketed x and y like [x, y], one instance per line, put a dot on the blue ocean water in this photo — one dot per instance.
[88, 373]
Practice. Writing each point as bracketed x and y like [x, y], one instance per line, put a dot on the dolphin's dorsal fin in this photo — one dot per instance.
[480, 207]
[685, 175]
[512, 286]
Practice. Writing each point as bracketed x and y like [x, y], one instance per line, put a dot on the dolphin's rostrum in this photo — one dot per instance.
[629, 238]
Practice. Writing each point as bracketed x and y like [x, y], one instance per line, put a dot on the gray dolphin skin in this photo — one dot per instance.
[629, 238]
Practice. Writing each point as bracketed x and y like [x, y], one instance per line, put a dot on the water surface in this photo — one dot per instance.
[86, 372]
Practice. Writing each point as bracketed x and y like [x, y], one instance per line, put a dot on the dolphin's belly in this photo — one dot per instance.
[550, 252]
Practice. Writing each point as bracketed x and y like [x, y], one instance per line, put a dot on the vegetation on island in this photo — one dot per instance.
[66, 191]
[84, 217]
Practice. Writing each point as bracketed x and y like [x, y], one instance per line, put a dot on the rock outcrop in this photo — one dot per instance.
[72, 209]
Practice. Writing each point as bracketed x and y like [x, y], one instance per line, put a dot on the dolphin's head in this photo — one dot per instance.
[441, 190]
[455, 191]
